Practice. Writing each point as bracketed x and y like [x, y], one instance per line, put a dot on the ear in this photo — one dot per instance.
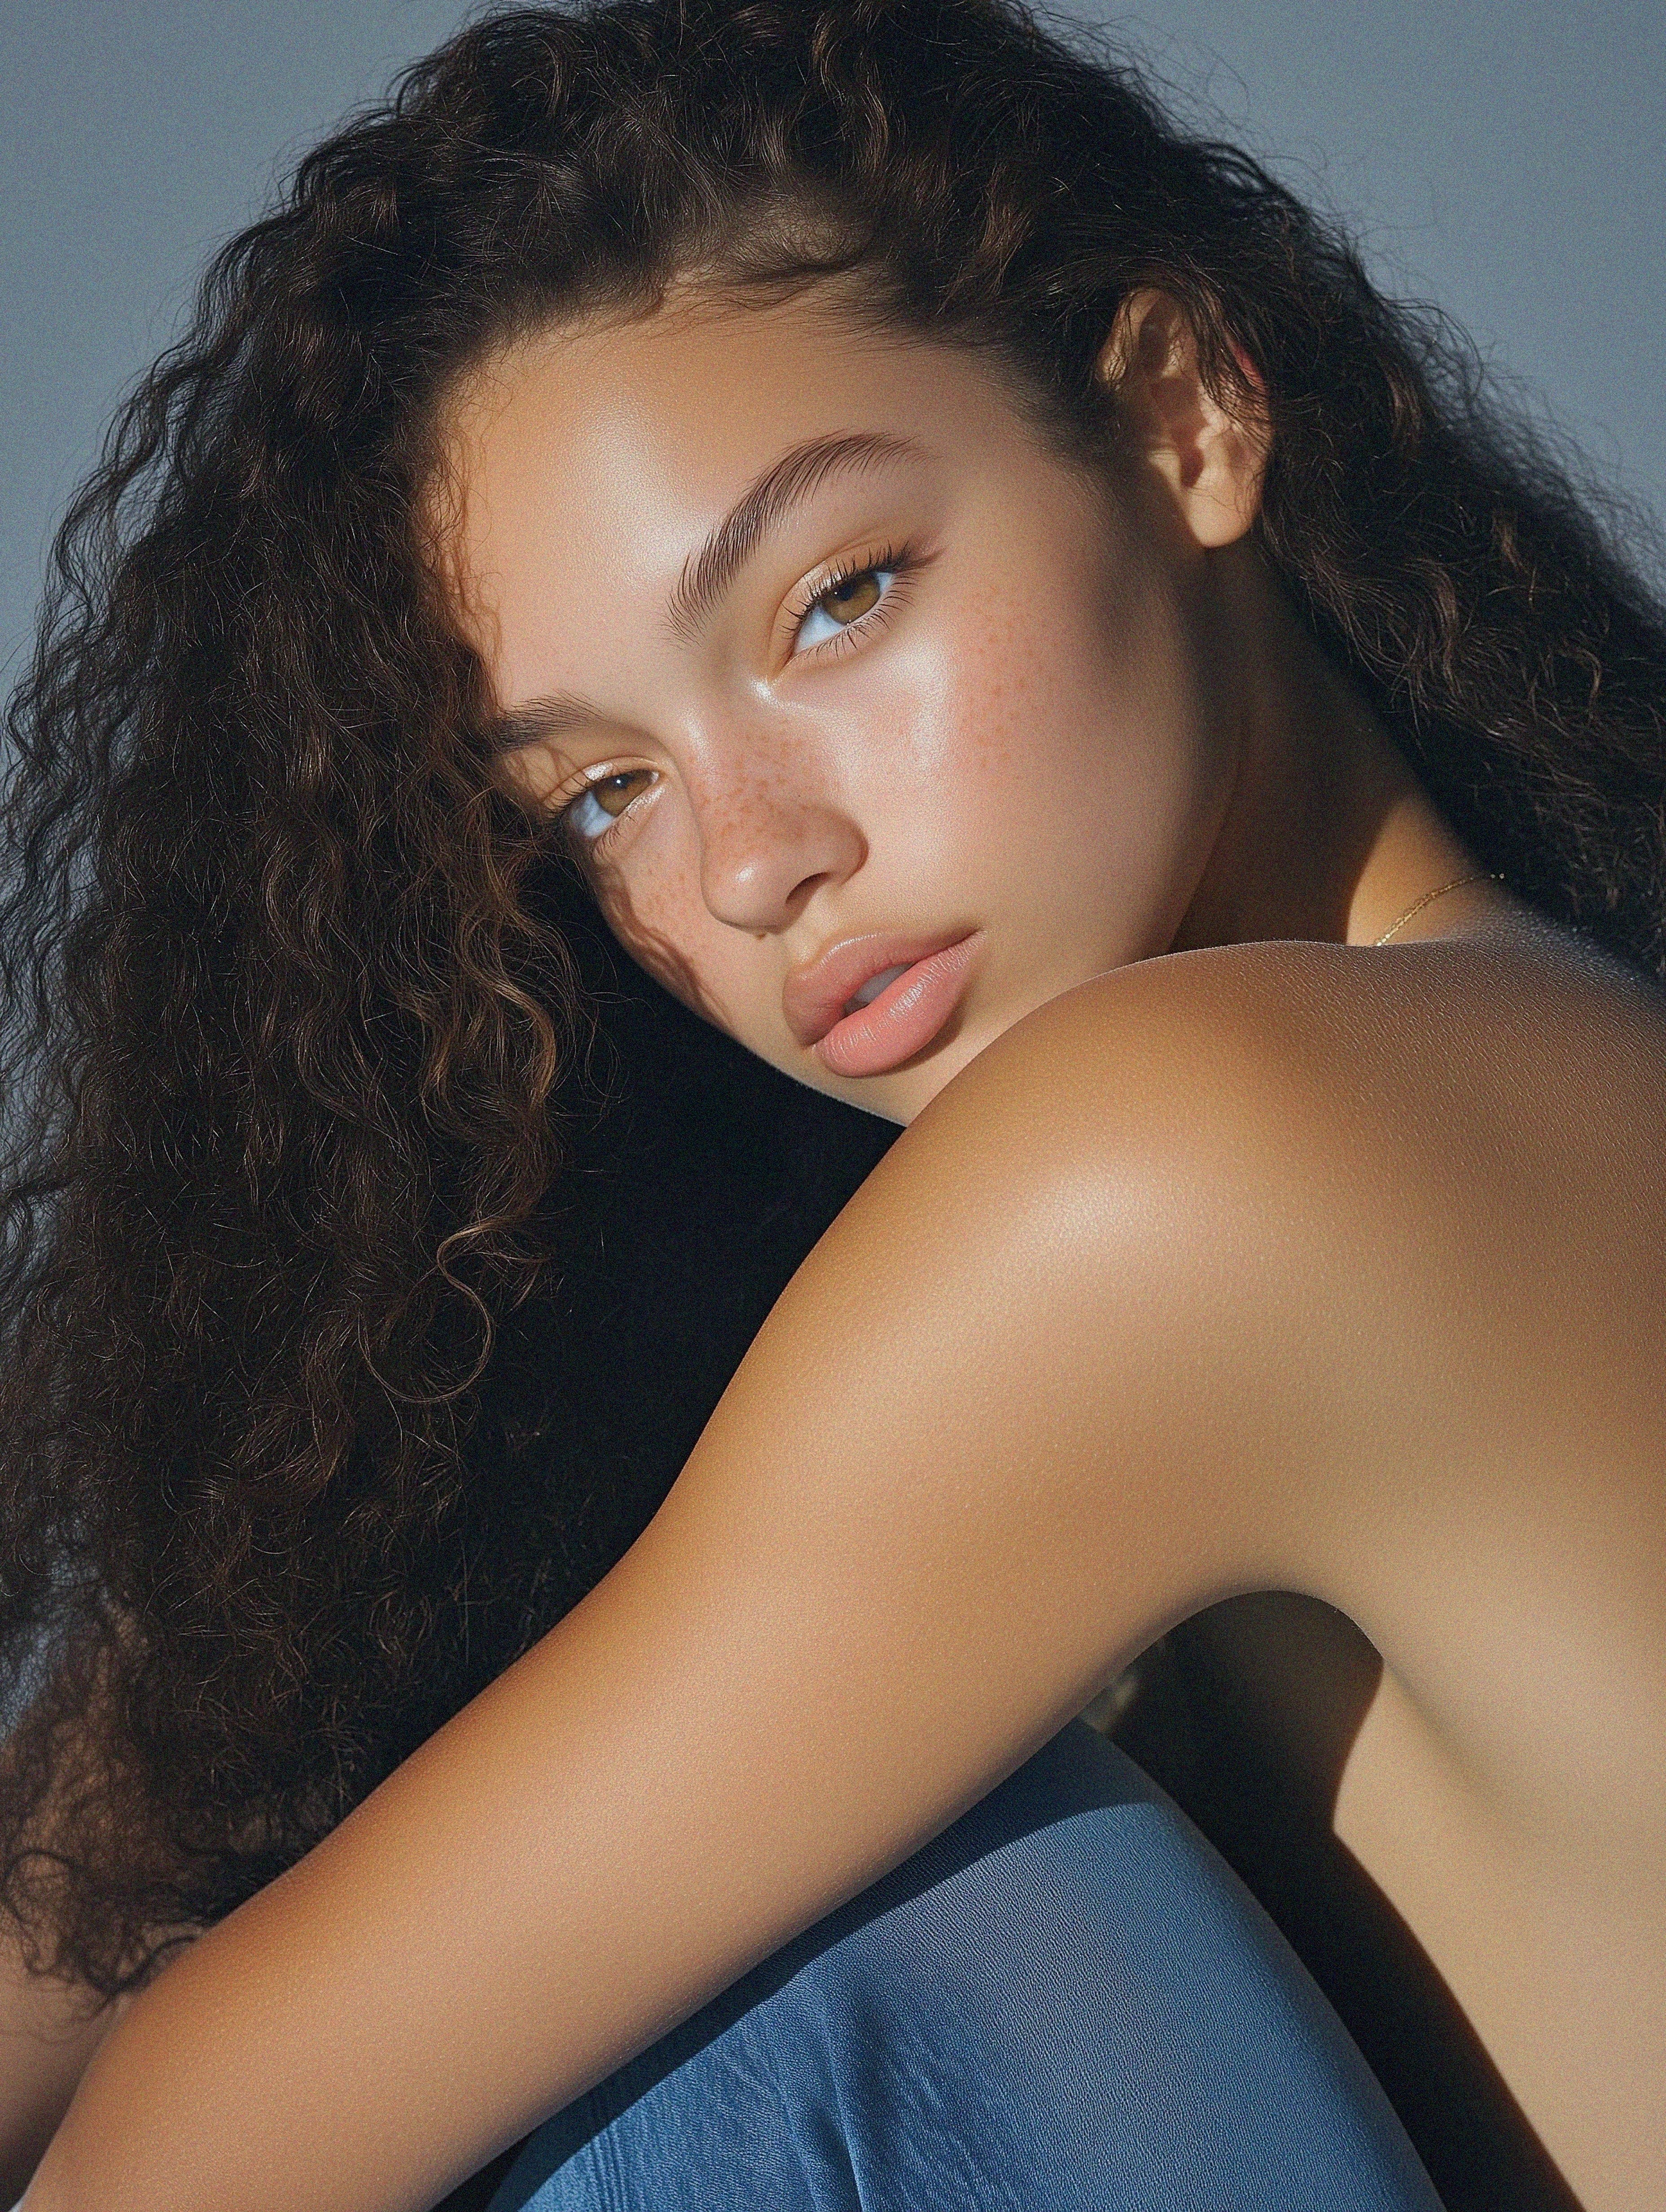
[1212, 457]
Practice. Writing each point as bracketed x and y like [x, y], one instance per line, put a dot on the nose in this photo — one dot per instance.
[765, 849]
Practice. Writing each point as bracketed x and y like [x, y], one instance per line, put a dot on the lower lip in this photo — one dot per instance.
[904, 1018]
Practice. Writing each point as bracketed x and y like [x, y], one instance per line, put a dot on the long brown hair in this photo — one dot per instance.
[288, 1040]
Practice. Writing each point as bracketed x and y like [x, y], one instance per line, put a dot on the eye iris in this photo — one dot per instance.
[853, 598]
[613, 793]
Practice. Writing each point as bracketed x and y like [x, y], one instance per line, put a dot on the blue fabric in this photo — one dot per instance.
[1065, 2004]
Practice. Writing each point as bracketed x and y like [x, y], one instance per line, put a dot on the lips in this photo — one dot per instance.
[870, 990]
[867, 1005]
[814, 997]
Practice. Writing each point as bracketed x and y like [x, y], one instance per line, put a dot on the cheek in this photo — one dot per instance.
[1077, 765]
[1003, 688]
[650, 910]
[1030, 720]
[655, 908]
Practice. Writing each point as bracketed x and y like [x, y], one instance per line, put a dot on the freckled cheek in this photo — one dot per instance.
[1018, 726]
[1065, 763]
[655, 906]
[935, 749]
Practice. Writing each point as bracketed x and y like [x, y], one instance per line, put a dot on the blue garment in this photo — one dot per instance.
[1065, 2004]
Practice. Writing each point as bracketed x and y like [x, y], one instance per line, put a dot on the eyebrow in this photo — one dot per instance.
[707, 575]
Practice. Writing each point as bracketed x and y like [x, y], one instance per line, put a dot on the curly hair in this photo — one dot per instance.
[294, 1030]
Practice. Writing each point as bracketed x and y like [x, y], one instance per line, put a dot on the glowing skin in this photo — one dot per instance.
[1067, 723]
[1308, 1296]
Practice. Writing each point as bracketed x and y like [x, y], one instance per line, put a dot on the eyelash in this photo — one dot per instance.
[897, 561]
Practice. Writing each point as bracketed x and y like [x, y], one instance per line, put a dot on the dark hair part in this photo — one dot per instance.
[290, 1040]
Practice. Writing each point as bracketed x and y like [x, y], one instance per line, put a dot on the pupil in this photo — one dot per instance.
[864, 587]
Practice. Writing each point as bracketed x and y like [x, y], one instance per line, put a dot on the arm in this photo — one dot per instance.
[49, 2030]
[984, 1450]
[50, 2026]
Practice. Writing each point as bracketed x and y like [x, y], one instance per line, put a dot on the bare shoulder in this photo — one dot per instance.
[1420, 1198]
[1500, 1095]
[1450, 1042]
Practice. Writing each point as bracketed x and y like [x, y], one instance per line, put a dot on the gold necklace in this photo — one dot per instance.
[1429, 898]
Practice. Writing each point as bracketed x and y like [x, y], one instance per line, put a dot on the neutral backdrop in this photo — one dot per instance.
[1503, 157]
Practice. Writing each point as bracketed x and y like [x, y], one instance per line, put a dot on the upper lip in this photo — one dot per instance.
[815, 994]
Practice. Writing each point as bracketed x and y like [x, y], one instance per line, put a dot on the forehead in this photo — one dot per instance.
[620, 439]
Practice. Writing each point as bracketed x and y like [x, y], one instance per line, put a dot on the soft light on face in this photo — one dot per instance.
[928, 695]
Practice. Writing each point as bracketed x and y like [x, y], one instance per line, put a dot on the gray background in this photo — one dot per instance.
[1499, 156]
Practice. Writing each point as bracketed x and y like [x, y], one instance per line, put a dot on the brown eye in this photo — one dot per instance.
[853, 596]
[615, 792]
[845, 602]
[587, 817]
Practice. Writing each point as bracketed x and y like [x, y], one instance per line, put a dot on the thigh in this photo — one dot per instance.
[1065, 2004]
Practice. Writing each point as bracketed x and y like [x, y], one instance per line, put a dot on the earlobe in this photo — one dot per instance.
[1211, 453]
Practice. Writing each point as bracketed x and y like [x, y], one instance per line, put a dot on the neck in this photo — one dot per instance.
[1326, 832]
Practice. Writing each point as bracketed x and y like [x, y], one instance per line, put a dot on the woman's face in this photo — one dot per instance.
[835, 673]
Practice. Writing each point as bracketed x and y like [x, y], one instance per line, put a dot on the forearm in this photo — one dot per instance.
[467, 1952]
[647, 1802]
[612, 1833]
[457, 1959]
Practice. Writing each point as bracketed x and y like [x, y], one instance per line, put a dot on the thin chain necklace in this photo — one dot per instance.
[1429, 898]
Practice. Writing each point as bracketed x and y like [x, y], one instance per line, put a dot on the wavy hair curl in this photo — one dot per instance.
[288, 1041]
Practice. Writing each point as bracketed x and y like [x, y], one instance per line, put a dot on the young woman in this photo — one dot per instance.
[1015, 631]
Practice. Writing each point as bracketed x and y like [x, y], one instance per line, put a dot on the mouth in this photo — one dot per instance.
[898, 1011]
[870, 990]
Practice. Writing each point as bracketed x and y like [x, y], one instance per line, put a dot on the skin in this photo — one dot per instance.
[1223, 1253]
[792, 794]
[46, 2039]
